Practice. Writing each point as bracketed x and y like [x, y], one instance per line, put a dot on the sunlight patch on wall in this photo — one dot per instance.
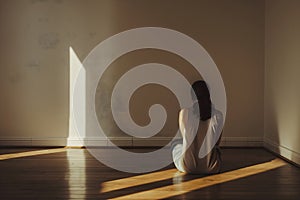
[76, 66]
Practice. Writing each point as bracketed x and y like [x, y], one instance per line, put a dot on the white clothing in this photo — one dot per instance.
[197, 153]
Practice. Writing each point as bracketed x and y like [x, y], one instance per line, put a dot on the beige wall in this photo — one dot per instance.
[282, 97]
[36, 36]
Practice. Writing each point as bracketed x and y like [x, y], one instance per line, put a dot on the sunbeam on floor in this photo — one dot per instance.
[31, 153]
[180, 188]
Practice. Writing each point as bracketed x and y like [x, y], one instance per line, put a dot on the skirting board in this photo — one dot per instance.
[282, 151]
[131, 142]
[122, 141]
[162, 141]
[32, 142]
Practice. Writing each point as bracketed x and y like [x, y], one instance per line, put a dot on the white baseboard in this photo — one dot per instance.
[159, 141]
[242, 142]
[121, 141]
[32, 142]
[15, 142]
[282, 151]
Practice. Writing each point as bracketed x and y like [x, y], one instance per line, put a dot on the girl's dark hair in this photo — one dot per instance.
[203, 96]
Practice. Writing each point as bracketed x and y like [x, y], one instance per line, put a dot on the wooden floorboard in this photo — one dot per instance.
[247, 173]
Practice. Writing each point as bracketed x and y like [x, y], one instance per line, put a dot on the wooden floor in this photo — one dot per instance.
[74, 174]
